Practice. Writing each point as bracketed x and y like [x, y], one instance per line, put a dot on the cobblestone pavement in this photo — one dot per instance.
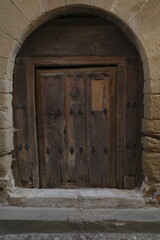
[82, 236]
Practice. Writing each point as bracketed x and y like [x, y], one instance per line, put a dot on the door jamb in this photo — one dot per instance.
[91, 61]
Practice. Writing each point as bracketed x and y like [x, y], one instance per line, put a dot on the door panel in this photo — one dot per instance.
[101, 127]
[76, 124]
[50, 127]
[25, 168]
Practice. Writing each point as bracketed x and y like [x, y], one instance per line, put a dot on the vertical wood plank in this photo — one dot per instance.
[50, 126]
[101, 131]
[134, 93]
[121, 91]
[25, 167]
[75, 119]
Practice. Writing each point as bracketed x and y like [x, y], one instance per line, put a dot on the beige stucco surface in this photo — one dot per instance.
[140, 19]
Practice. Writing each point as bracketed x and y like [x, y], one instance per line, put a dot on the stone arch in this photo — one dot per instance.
[130, 23]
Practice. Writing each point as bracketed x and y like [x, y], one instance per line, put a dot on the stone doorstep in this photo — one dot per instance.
[77, 198]
[18, 220]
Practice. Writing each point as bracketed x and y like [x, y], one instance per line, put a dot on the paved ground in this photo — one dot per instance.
[82, 236]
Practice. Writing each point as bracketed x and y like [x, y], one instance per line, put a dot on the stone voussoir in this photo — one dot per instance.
[127, 10]
[14, 25]
[32, 10]
[147, 19]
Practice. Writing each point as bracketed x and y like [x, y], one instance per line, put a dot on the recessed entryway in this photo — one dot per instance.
[78, 105]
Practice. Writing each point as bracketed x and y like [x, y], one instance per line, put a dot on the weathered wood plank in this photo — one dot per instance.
[101, 131]
[75, 118]
[50, 125]
[78, 37]
[25, 143]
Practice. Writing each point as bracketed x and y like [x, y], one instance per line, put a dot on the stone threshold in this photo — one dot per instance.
[77, 198]
[18, 220]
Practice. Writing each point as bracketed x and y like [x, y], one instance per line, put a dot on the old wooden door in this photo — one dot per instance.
[76, 126]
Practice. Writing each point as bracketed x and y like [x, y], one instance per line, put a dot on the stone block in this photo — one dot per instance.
[6, 120]
[5, 102]
[128, 9]
[50, 5]
[8, 47]
[152, 106]
[151, 43]
[151, 67]
[5, 165]
[151, 144]
[54, 8]
[151, 165]
[6, 86]
[32, 9]
[6, 69]
[147, 19]
[89, 6]
[151, 86]
[13, 22]
[151, 127]
[106, 5]
[6, 141]
[78, 3]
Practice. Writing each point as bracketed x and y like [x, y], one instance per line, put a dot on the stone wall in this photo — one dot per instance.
[139, 19]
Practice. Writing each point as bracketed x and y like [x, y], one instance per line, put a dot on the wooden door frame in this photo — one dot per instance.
[92, 61]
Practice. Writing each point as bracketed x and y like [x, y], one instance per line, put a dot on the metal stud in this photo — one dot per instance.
[27, 147]
[18, 106]
[71, 112]
[81, 150]
[105, 111]
[71, 150]
[48, 150]
[52, 113]
[105, 150]
[20, 146]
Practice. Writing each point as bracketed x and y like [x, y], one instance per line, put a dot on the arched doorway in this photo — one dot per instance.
[78, 105]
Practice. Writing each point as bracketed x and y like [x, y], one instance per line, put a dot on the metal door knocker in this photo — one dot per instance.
[75, 92]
